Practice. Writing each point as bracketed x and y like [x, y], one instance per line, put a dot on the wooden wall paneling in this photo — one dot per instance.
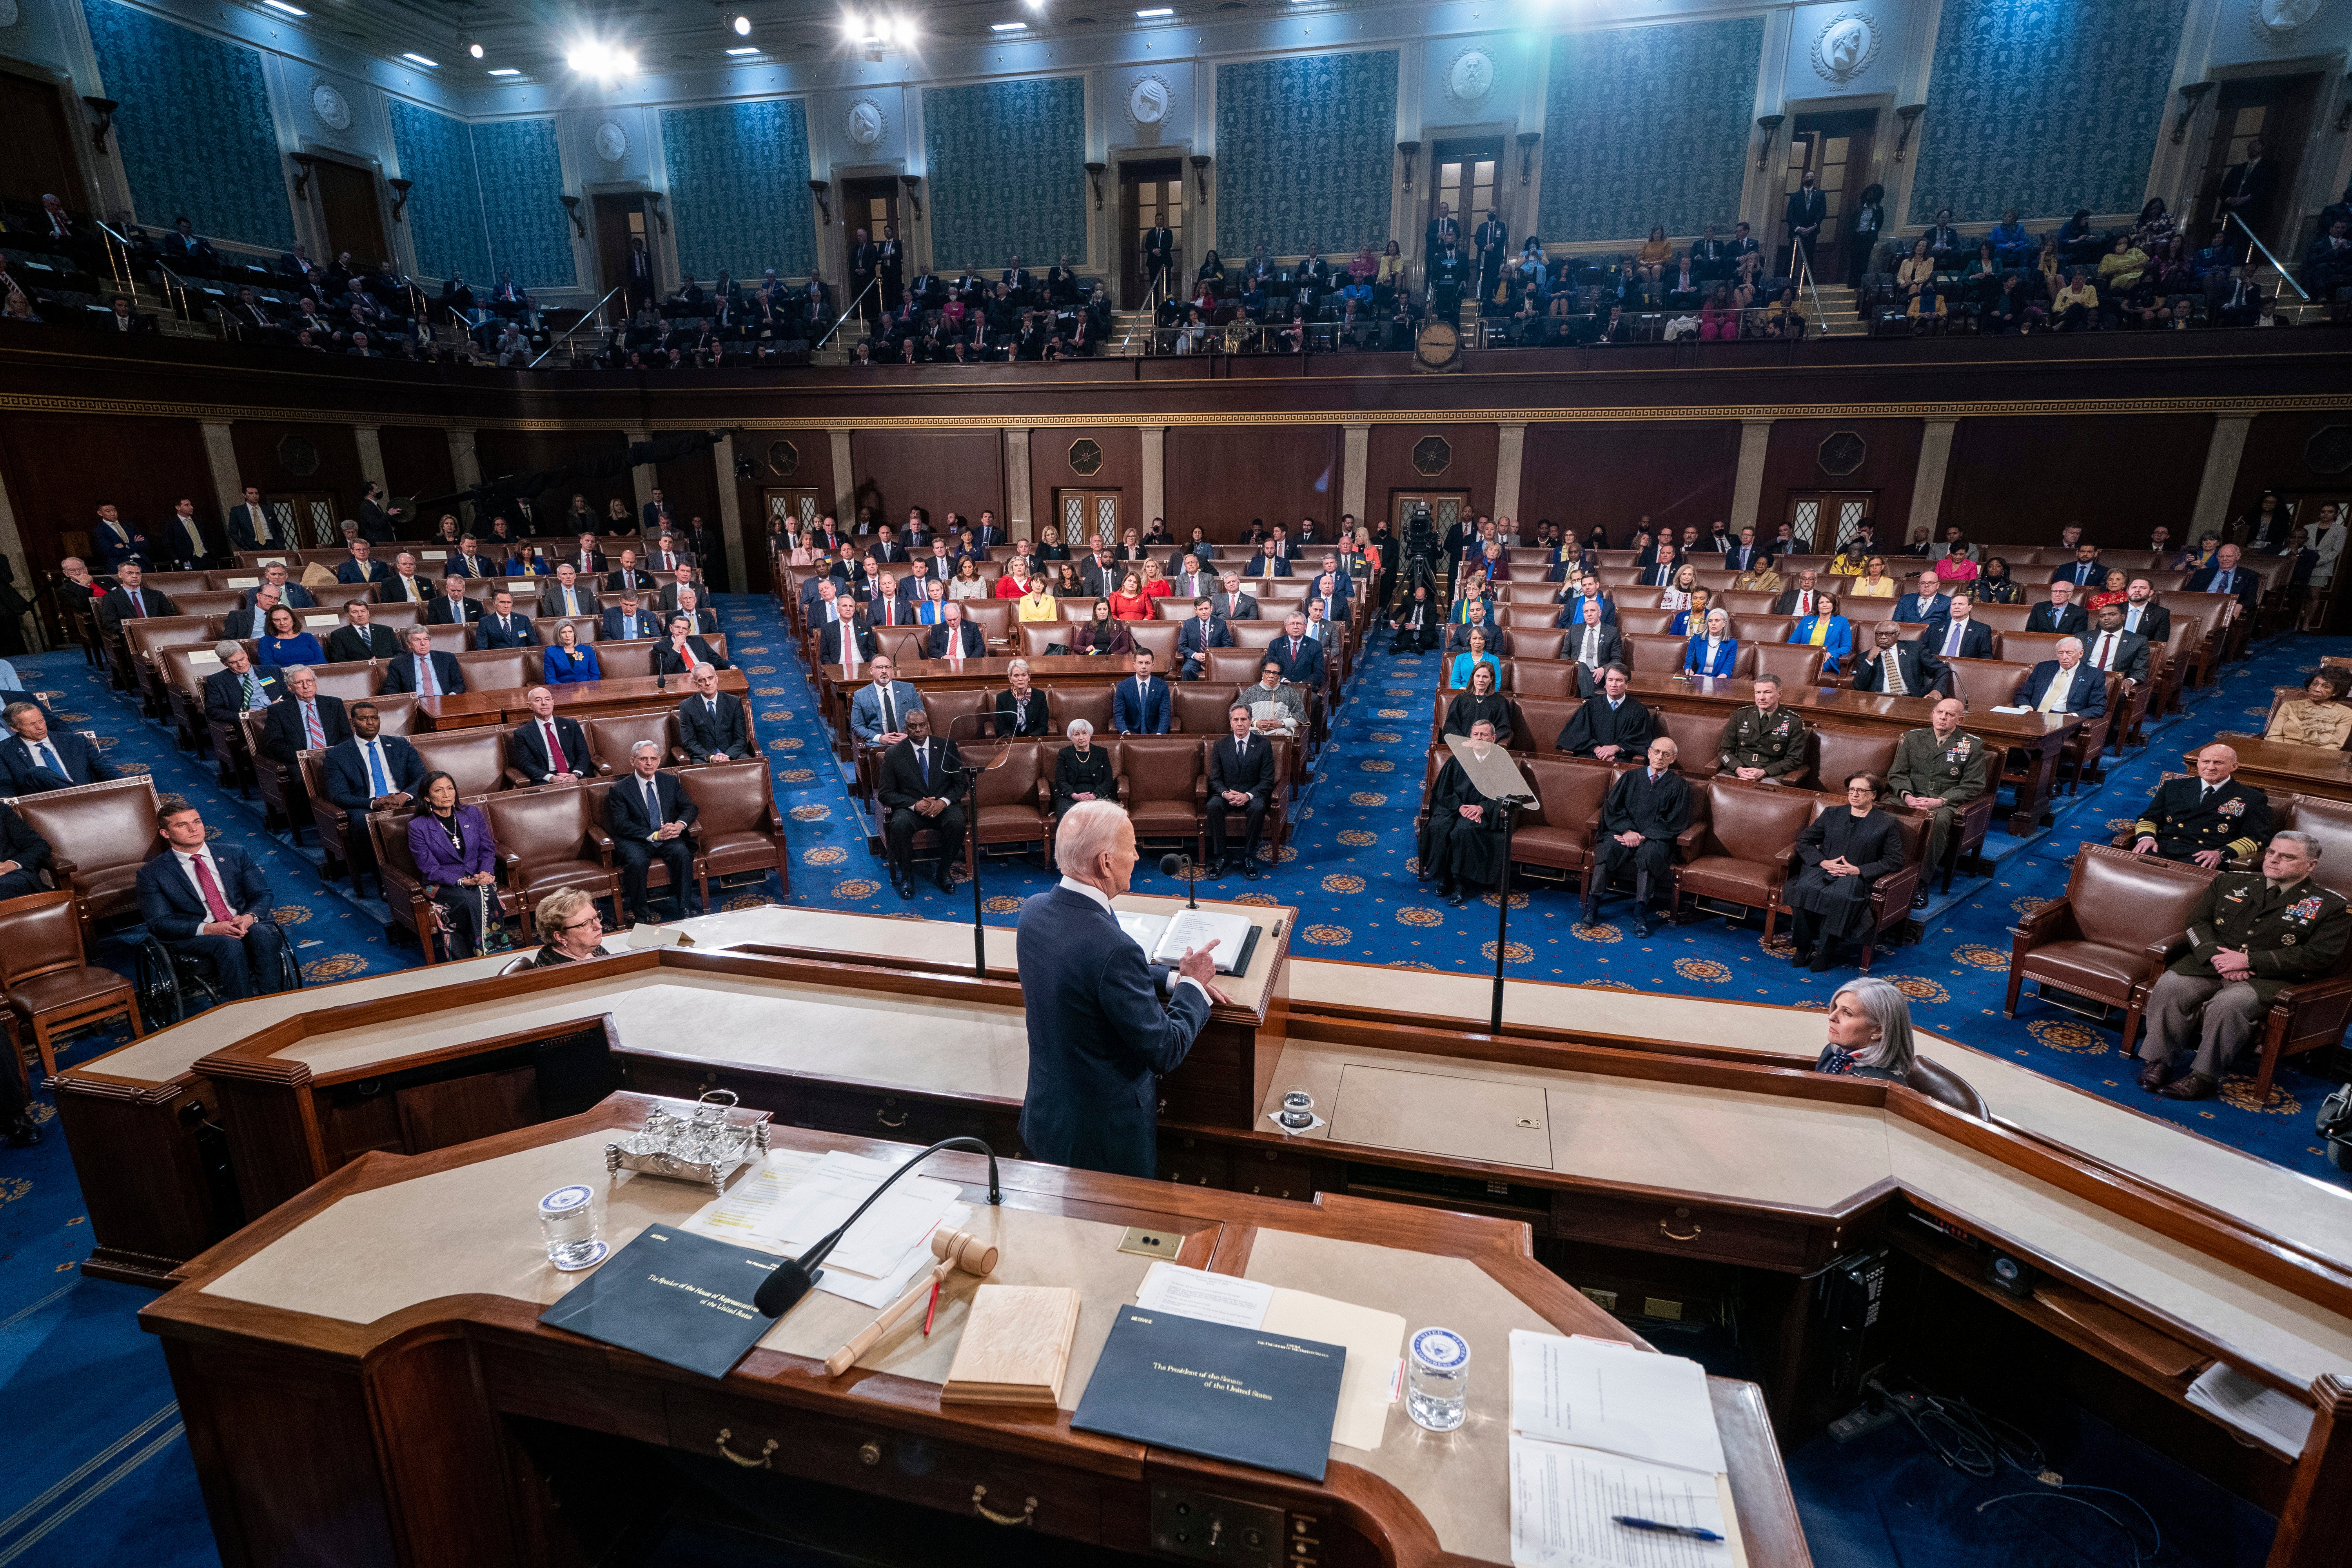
[944, 471]
[2277, 458]
[1050, 469]
[272, 454]
[807, 466]
[503, 452]
[2022, 480]
[1890, 464]
[62, 467]
[1610, 475]
[1389, 467]
[416, 462]
[690, 488]
[1221, 477]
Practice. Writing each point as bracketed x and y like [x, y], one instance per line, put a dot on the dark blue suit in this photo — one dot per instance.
[2089, 699]
[174, 910]
[345, 775]
[1193, 641]
[26, 775]
[1099, 1038]
[400, 674]
[505, 631]
[1937, 613]
[2243, 585]
[1304, 665]
[1130, 714]
[351, 571]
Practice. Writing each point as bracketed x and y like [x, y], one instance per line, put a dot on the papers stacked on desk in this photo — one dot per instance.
[792, 1200]
[2279, 1422]
[1599, 1431]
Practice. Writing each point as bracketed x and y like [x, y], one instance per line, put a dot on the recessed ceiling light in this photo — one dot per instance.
[420, 59]
[475, 50]
[742, 25]
[742, 51]
[281, 5]
[1159, 11]
[1008, 27]
[506, 71]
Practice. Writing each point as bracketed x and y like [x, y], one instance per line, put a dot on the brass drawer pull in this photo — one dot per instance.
[1665, 1228]
[884, 1118]
[1028, 1514]
[761, 1463]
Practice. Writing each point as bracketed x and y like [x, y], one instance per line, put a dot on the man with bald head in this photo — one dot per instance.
[1937, 770]
[2207, 818]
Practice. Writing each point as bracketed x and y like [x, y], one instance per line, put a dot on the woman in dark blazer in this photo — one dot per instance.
[1082, 770]
[1869, 1032]
[1103, 634]
[451, 845]
[1995, 586]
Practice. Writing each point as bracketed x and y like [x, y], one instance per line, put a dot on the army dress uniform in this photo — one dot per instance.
[2185, 819]
[1954, 772]
[2287, 933]
[1774, 741]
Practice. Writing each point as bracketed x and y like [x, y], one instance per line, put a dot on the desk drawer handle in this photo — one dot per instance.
[761, 1463]
[1028, 1514]
[1666, 1229]
[884, 1118]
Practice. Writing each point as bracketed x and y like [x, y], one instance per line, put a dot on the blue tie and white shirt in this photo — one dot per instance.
[379, 775]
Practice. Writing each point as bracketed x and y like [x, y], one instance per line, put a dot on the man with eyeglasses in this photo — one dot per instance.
[572, 925]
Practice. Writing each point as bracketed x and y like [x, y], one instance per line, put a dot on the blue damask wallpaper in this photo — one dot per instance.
[1648, 125]
[2044, 105]
[193, 129]
[522, 174]
[1305, 148]
[445, 207]
[739, 192]
[1007, 164]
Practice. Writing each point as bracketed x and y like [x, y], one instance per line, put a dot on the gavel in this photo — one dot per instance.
[954, 1249]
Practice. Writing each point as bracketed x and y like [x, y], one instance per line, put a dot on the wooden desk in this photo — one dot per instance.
[2283, 768]
[582, 699]
[364, 1379]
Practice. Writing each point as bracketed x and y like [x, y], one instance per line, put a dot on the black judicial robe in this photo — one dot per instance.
[1456, 847]
[1873, 843]
[1630, 726]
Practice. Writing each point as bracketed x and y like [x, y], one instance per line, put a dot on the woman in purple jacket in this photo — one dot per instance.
[451, 845]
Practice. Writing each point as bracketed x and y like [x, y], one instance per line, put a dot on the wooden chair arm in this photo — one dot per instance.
[2302, 993]
[2041, 926]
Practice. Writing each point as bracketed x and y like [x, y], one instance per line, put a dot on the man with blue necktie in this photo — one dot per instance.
[628, 621]
[503, 628]
[1334, 602]
[647, 814]
[369, 772]
[2084, 571]
[451, 607]
[424, 671]
[1963, 637]
[1140, 705]
[33, 759]
[2226, 577]
[1926, 606]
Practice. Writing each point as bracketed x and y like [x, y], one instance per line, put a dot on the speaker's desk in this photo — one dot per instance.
[364, 1380]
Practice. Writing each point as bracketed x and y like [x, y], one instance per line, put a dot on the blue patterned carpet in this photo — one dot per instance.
[92, 1466]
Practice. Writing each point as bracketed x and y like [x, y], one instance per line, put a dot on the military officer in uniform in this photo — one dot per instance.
[1763, 740]
[2249, 937]
[2207, 819]
[1937, 770]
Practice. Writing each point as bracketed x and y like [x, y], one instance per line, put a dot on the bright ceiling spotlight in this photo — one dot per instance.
[742, 25]
[606, 62]
[903, 30]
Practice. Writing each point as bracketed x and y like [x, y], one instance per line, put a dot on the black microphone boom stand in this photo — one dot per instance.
[795, 1277]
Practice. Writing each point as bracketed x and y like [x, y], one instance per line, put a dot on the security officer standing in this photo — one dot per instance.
[1937, 770]
[1763, 740]
[2249, 937]
[2205, 819]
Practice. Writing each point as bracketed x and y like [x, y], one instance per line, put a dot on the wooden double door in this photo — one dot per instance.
[1085, 515]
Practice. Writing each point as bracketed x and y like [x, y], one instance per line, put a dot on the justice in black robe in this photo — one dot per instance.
[1456, 850]
[1873, 843]
[1471, 709]
[1631, 726]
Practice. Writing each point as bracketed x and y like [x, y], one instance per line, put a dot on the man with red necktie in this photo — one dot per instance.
[549, 750]
[212, 900]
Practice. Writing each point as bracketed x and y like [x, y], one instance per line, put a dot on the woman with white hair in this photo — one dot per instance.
[1082, 770]
[1712, 652]
[1869, 1032]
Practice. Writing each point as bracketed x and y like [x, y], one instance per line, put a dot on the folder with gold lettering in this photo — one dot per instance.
[1223, 1392]
[674, 1296]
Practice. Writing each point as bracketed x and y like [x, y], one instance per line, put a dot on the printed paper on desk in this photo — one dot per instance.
[1197, 1293]
[831, 1192]
[746, 1210]
[870, 1291]
[1620, 1400]
[1565, 1501]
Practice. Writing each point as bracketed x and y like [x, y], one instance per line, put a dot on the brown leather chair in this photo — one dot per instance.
[1558, 832]
[1236, 666]
[1065, 704]
[1634, 623]
[1539, 721]
[1160, 637]
[2029, 648]
[2096, 940]
[657, 871]
[737, 827]
[955, 715]
[992, 616]
[1839, 754]
[1553, 678]
[1203, 708]
[549, 838]
[1799, 665]
[1941, 1084]
[1698, 738]
[1647, 655]
[1762, 629]
[1890, 896]
[1163, 784]
[352, 682]
[500, 668]
[98, 835]
[1255, 637]
[334, 827]
[1037, 637]
[1541, 641]
[1983, 683]
[50, 987]
[627, 660]
[1740, 602]
[1012, 800]
[1736, 847]
[476, 759]
[611, 736]
[404, 887]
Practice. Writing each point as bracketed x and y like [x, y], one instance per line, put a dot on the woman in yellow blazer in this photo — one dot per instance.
[1038, 603]
[2321, 719]
[1874, 582]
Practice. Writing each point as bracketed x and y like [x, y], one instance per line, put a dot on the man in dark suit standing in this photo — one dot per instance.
[379, 523]
[503, 628]
[1159, 254]
[1640, 817]
[1241, 778]
[2245, 194]
[303, 720]
[130, 600]
[1962, 635]
[712, 724]
[1140, 705]
[359, 639]
[2059, 613]
[1896, 667]
[212, 900]
[35, 758]
[1808, 208]
[1300, 655]
[628, 620]
[546, 749]
[424, 671]
[919, 779]
[238, 686]
[182, 542]
[639, 281]
[647, 813]
[2226, 577]
[451, 607]
[117, 540]
[1099, 1037]
[250, 526]
[1445, 230]
[369, 772]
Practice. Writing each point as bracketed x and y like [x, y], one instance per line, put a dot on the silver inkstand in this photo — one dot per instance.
[705, 1146]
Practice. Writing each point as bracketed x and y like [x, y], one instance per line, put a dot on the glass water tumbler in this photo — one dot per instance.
[1437, 1379]
[567, 1219]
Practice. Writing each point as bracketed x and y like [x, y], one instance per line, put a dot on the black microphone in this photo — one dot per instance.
[1181, 866]
[797, 1277]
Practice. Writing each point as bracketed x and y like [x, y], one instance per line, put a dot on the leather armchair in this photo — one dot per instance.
[403, 885]
[50, 986]
[1698, 737]
[1203, 708]
[1553, 678]
[1537, 721]
[1164, 783]
[1840, 753]
[1890, 896]
[1236, 666]
[2304, 1016]
[2095, 940]
[1736, 849]
[476, 759]
[1655, 654]
[1037, 637]
[98, 835]
[656, 873]
[1012, 800]
[1065, 704]
[1798, 665]
[739, 828]
[328, 818]
[549, 838]
[1558, 832]
[2330, 822]
[1541, 640]
[611, 737]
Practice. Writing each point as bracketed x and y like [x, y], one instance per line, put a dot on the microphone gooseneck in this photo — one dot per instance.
[797, 1277]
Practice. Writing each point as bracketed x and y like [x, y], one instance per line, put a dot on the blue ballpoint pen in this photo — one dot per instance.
[1690, 1531]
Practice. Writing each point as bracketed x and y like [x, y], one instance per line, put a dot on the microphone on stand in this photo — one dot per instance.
[1181, 866]
[797, 1277]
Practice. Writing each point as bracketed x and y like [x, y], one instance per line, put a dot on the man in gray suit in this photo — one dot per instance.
[877, 713]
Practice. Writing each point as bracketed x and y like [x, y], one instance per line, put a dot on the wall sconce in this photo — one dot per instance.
[1200, 179]
[104, 109]
[572, 206]
[817, 188]
[305, 165]
[914, 184]
[1770, 125]
[1408, 148]
[2191, 94]
[400, 189]
[654, 200]
[1528, 140]
[1909, 114]
[1095, 172]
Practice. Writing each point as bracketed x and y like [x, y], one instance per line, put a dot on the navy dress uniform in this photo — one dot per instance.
[2185, 817]
[2287, 932]
[1774, 741]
